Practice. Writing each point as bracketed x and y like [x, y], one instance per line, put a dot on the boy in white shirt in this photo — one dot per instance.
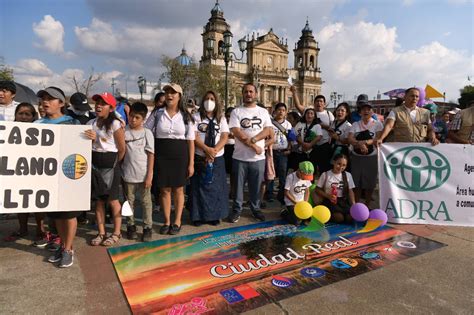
[296, 190]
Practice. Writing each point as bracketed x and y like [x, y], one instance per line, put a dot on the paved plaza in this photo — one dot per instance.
[438, 282]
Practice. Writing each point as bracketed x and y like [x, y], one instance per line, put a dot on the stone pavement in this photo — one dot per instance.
[438, 282]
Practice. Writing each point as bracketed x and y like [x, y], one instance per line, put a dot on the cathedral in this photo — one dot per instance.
[266, 64]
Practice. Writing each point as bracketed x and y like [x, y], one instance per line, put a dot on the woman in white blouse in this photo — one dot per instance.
[209, 193]
[174, 132]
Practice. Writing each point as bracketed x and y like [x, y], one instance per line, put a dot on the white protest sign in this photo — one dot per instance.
[425, 184]
[44, 168]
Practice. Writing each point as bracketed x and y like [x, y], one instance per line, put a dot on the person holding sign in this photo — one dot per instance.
[108, 149]
[53, 101]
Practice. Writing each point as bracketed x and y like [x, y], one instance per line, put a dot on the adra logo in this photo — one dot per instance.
[417, 169]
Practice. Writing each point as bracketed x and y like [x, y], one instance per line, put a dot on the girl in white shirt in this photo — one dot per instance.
[335, 187]
[108, 149]
[174, 132]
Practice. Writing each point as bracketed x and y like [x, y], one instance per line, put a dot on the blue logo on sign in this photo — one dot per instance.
[312, 272]
[281, 282]
[232, 296]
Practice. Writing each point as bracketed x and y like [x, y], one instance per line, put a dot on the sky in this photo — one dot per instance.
[366, 45]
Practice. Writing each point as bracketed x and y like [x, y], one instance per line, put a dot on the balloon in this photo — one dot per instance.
[378, 214]
[310, 200]
[421, 100]
[321, 213]
[303, 210]
[359, 212]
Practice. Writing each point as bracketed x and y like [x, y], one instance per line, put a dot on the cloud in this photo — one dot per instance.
[31, 67]
[369, 57]
[407, 3]
[137, 47]
[51, 34]
[37, 75]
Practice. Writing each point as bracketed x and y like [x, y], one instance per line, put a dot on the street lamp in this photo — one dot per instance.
[141, 86]
[224, 47]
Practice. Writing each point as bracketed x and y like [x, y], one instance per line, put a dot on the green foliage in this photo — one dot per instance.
[6, 73]
[197, 80]
[467, 95]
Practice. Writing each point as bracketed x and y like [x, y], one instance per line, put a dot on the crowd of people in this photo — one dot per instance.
[184, 155]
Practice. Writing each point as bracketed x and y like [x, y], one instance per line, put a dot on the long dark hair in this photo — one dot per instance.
[187, 117]
[348, 111]
[30, 107]
[217, 110]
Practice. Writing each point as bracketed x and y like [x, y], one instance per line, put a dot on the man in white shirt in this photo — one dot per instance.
[7, 104]
[250, 126]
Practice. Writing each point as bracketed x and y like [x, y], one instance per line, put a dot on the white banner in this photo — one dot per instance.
[425, 184]
[44, 168]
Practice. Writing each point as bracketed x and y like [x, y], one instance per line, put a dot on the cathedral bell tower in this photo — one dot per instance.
[214, 29]
[306, 65]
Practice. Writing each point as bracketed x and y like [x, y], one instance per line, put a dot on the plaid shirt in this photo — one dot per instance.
[456, 123]
[7, 112]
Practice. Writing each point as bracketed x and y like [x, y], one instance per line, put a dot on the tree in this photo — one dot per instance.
[195, 80]
[467, 95]
[85, 85]
[6, 73]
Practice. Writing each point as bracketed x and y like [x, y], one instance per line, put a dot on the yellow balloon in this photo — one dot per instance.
[321, 213]
[303, 210]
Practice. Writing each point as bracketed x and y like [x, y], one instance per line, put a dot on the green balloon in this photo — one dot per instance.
[310, 200]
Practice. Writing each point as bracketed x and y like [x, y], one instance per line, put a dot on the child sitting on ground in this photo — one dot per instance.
[296, 190]
[137, 169]
[335, 188]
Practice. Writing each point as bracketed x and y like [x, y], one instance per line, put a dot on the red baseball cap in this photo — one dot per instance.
[108, 98]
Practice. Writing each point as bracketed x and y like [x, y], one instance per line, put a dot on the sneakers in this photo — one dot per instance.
[58, 254]
[234, 217]
[54, 243]
[146, 237]
[67, 259]
[174, 229]
[132, 232]
[259, 216]
[43, 241]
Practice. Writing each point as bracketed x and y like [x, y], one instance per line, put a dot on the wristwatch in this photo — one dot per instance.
[253, 140]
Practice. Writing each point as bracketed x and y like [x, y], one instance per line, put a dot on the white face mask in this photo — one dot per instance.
[209, 105]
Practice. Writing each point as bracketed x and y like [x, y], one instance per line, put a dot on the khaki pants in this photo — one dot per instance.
[131, 189]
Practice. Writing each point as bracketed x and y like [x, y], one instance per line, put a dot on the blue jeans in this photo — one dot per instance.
[280, 161]
[253, 174]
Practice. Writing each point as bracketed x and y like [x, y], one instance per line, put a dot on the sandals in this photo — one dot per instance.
[111, 240]
[99, 239]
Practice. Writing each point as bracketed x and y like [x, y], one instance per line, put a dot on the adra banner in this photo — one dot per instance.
[44, 168]
[425, 184]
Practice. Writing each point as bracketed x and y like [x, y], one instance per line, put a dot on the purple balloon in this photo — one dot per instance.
[378, 214]
[359, 212]
[421, 100]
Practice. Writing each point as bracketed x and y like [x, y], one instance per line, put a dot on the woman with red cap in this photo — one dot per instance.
[108, 149]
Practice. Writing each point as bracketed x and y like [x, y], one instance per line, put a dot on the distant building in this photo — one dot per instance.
[266, 64]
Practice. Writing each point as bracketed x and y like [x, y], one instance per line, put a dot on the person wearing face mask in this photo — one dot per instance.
[209, 193]
[191, 106]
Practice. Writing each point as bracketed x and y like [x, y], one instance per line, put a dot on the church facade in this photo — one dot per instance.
[266, 64]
